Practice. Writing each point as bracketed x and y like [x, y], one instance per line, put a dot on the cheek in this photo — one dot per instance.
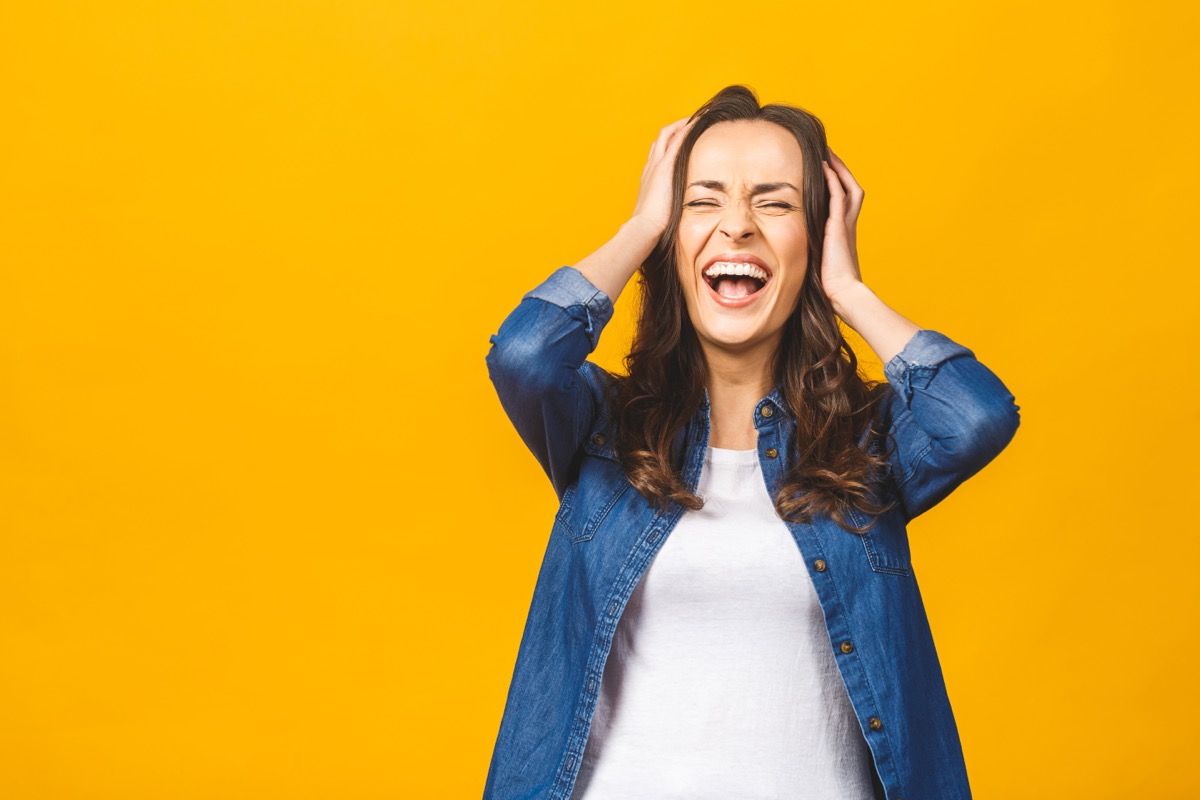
[793, 286]
[689, 243]
[685, 280]
[693, 233]
[794, 239]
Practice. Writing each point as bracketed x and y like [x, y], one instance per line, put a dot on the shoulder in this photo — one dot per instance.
[603, 384]
[605, 389]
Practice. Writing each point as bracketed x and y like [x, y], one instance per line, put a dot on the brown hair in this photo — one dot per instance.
[816, 367]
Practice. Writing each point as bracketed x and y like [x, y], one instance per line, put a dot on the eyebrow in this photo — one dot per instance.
[758, 188]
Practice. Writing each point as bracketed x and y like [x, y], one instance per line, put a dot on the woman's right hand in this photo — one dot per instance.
[654, 197]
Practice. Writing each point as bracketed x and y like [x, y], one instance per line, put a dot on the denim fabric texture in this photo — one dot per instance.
[947, 414]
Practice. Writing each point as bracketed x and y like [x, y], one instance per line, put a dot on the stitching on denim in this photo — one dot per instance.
[593, 525]
[631, 572]
[909, 471]
[868, 541]
[566, 507]
[867, 678]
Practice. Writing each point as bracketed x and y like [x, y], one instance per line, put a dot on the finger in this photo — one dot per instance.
[680, 129]
[657, 145]
[853, 192]
[677, 137]
[840, 167]
[674, 128]
[853, 189]
[837, 194]
[671, 138]
[665, 135]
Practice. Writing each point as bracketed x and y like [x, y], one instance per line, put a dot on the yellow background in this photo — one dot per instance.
[265, 531]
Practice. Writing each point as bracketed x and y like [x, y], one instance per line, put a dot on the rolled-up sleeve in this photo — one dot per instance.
[949, 416]
[539, 368]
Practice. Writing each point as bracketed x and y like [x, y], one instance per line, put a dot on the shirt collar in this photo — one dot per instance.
[774, 399]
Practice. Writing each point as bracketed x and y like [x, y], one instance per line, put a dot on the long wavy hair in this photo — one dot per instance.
[817, 369]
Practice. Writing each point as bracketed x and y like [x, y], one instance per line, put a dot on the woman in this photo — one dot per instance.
[727, 607]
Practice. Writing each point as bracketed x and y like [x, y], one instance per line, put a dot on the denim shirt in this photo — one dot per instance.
[948, 416]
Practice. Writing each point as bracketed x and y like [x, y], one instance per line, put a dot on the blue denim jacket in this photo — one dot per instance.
[949, 416]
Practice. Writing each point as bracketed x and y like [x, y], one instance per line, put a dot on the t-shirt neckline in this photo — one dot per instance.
[725, 455]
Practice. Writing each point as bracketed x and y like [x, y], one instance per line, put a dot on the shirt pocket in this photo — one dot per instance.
[599, 488]
[885, 545]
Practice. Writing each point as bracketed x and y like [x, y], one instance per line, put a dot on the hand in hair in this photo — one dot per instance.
[654, 197]
[839, 256]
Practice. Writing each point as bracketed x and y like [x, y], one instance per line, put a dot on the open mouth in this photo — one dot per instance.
[739, 285]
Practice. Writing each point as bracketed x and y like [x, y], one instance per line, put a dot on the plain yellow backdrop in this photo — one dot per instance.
[265, 531]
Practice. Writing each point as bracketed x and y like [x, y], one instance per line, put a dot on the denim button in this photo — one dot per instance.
[846, 646]
[772, 452]
[874, 723]
[819, 564]
[598, 438]
[767, 411]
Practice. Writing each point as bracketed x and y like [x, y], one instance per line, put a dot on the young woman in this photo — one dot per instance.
[727, 606]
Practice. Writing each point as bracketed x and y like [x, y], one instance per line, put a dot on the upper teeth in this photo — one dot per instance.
[736, 268]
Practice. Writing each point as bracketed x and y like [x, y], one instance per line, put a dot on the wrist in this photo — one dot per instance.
[643, 229]
[845, 298]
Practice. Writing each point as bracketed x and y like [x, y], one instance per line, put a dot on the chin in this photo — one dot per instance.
[732, 335]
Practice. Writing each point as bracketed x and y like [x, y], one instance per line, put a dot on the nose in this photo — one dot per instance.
[736, 223]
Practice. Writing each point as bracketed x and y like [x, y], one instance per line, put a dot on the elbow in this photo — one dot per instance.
[990, 430]
[517, 365]
[539, 347]
[1003, 422]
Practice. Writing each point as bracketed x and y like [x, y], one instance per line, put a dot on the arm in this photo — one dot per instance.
[948, 415]
[537, 361]
[537, 365]
[611, 267]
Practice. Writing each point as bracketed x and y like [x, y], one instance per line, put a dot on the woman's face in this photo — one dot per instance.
[742, 203]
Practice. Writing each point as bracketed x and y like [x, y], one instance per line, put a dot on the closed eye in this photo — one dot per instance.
[710, 203]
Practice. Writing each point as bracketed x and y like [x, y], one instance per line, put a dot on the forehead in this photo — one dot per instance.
[749, 151]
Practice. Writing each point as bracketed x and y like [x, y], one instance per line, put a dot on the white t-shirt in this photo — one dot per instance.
[721, 682]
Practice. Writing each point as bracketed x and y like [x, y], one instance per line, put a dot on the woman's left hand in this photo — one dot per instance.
[839, 257]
